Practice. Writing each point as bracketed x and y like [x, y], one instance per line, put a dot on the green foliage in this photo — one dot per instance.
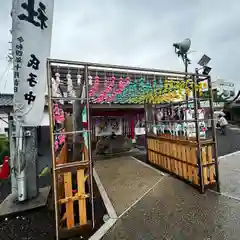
[4, 148]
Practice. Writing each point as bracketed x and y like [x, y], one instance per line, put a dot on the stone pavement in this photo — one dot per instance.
[151, 206]
[174, 210]
[125, 180]
[229, 171]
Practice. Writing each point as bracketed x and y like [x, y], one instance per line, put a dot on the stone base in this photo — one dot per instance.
[11, 206]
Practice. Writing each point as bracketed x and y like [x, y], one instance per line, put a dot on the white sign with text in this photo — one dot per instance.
[31, 42]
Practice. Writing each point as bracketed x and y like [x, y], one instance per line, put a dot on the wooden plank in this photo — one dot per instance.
[205, 168]
[85, 151]
[82, 201]
[179, 164]
[155, 154]
[68, 167]
[153, 157]
[188, 167]
[211, 167]
[161, 156]
[167, 158]
[73, 198]
[183, 157]
[158, 159]
[149, 152]
[175, 154]
[68, 194]
[168, 139]
[164, 157]
[191, 161]
[62, 157]
[194, 169]
[170, 159]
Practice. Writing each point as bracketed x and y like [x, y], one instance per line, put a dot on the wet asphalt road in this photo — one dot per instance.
[230, 142]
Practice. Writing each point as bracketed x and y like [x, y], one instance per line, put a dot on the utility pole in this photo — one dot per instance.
[197, 92]
[186, 62]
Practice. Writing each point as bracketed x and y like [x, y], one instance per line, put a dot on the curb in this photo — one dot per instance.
[110, 210]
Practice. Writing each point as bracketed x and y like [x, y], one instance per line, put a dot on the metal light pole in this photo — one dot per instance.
[181, 49]
[203, 63]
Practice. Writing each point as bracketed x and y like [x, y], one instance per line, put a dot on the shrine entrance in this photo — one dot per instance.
[113, 129]
[89, 102]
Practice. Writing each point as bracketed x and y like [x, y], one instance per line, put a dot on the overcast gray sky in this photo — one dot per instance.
[139, 33]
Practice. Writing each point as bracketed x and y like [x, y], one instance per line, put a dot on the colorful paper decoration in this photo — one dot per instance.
[56, 144]
[95, 87]
[58, 114]
[59, 140]
[139, 91]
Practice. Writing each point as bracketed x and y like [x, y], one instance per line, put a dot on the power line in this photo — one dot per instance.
[5, 83]
[6, 71]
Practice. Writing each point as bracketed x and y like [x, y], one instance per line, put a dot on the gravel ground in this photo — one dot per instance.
[36, 224]
[32, 225]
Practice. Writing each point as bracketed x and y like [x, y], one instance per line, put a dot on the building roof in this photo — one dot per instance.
[6, 100]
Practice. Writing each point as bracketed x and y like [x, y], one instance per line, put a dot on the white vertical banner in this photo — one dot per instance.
[31, 39]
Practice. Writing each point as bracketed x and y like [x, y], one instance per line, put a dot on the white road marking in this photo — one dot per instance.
[139, 199]
[224, 157]
[225, 195]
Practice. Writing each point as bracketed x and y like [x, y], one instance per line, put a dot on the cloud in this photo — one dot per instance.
[141, 33]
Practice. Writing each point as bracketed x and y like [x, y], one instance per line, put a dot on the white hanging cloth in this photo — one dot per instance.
[70, 91]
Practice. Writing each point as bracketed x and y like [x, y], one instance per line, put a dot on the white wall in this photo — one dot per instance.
[4, 116]
[224, 86]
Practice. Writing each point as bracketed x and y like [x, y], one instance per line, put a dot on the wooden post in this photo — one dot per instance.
[77, 123]
[213, 132]
[199, 153]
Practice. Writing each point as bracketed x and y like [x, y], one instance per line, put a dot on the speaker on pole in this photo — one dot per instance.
[182, 47]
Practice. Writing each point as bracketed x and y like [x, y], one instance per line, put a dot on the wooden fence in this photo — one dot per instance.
[178, 156]
[71, 178]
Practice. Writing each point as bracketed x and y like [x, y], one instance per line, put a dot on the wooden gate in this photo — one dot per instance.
[71, 151]
[68, 195]
[179, 156]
